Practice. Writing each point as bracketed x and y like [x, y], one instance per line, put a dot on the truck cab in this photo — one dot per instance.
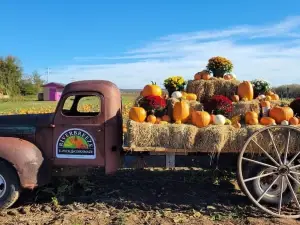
[84, 131]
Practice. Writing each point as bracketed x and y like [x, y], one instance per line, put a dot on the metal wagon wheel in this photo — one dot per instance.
[268, 170]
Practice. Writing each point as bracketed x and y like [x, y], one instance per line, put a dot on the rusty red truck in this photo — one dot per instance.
[32, 146]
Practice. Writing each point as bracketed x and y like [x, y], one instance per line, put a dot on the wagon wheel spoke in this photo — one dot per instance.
[276, 150]
[271, 179]
[292, 190]
[260, 176]
[281, 192]
[265, 192]
[287, 147]
[295, 167]
[260, 163]
[294, 172]
[267, 154]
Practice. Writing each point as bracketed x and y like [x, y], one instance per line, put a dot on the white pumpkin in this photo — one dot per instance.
[285, 122]
[176, 94]
[262, 96]
[219, 120]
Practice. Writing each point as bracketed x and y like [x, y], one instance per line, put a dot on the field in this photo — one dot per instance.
[149, 196]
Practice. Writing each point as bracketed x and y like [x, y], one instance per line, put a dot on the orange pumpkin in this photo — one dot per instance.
[166, 118]
[191, 96]
[253, 121]
[181, 111]
[269, 93]
[267, 121]
[274, 97]
[137, 114]
[124, 129]
[268, 98]
[294, 121]
[151, 89]
[235, 98]
[198, 76]
[280, 114]
[265, 104]
[250, 116]
[206, 76]
[158, 119]
[201, 118]
[151, 119]
[227, 77]
[212, 118]
[245, 90]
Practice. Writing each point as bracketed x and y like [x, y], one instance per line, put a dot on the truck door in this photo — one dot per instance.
[79, 130]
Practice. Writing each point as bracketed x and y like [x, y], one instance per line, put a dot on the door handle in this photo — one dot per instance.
[99, 130]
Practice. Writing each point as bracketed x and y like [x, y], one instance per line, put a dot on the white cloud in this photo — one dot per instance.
[269, 51]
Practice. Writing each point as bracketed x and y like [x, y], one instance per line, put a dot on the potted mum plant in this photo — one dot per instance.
[219, 66]
[260, 87]
[175, 83]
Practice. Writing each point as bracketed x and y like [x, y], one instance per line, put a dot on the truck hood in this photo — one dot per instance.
[27, 120]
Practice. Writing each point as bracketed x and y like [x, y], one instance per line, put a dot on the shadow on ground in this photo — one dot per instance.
[207, 191]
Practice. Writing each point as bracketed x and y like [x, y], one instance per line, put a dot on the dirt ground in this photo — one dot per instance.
[152, 196]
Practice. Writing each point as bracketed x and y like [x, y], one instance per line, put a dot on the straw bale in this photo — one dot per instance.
[211, 139]
[193, 105]
[240, 108]
[205, 89]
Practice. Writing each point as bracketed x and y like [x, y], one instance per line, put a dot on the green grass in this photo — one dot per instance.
[29, 102]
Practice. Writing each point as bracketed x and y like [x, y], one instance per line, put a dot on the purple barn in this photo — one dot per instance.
[52, 91]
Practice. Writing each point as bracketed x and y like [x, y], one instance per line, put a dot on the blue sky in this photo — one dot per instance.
[132, 43]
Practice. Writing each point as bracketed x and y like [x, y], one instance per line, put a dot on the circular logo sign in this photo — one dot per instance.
[76, 143]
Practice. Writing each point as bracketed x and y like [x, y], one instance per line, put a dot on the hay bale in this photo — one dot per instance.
[193, 105]
[240, 108]
[205, 89]
[211, 139]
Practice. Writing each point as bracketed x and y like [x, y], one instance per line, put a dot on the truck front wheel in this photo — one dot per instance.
[9, 185]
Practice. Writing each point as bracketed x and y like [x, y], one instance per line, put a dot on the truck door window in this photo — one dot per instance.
[82, 105]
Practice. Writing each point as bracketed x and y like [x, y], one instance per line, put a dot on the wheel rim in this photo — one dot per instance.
[264, 182]
[282, 168]
[2, 186]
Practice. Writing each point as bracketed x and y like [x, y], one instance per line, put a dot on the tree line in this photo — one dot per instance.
[288, 91]
[14, 82]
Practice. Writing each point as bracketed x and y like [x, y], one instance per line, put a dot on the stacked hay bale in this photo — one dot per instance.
[206, 89]
[210, 139]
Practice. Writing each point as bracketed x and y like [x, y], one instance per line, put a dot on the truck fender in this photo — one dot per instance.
[25, 157]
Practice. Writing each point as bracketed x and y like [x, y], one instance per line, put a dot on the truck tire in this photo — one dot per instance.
[256, 189]
[9, 185]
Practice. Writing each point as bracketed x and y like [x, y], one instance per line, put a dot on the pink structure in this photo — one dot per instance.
[52, 91]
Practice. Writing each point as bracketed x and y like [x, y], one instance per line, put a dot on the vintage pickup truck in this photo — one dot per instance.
[32, 146]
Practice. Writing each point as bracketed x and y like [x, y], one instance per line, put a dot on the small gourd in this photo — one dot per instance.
[284, 122]
[191, 96]
[237, 125]
[235, 98]
[151, 119]
[294, 121]
[166, 118]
